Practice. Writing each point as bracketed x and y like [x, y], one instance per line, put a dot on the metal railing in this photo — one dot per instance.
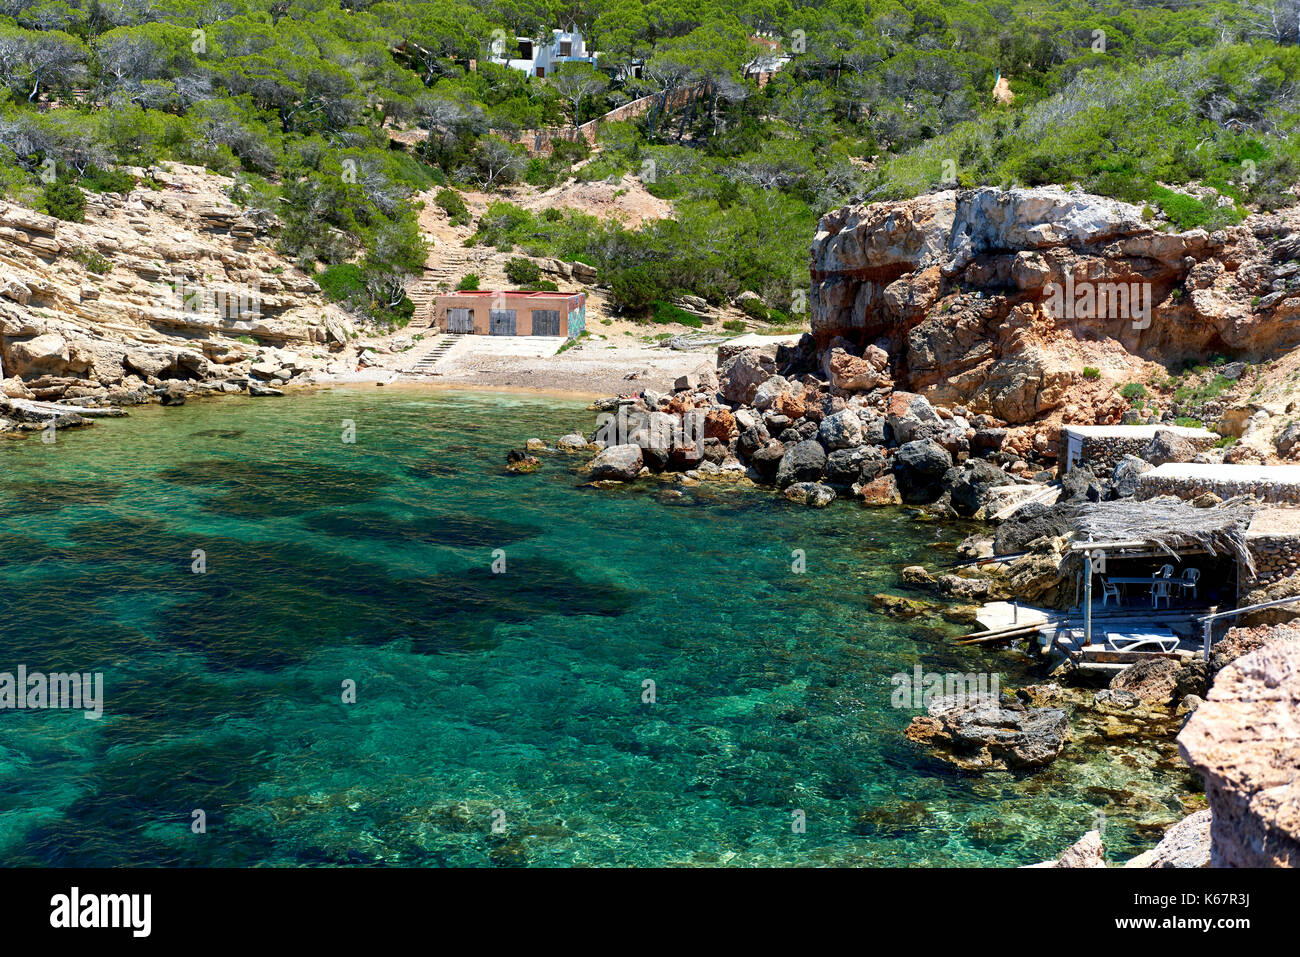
[1208, 621]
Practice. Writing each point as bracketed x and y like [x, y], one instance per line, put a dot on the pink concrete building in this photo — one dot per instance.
[496, 313]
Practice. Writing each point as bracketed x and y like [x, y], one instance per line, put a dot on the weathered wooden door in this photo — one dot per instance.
[546, 322]
[460, 321]
[501, 322]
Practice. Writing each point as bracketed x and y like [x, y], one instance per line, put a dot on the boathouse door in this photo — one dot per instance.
[546, 322]
[460, 321]
[501, 322]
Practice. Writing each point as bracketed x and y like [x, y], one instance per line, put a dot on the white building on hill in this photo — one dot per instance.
[542, 59]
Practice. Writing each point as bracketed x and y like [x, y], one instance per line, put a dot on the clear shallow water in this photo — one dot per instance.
[476, 692]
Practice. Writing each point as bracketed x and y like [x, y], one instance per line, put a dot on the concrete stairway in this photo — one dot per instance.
[426, 363]
[422, 294]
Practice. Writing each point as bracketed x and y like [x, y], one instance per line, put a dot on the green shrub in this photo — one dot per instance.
[754, 309]
[65, 201]
[107, 180]
[666, 312]
[92, 260]
[522, 272]
[468, 282]
[1135, 392]
[734, 325]
[343, 282]
[449, 201]
[635, 288]
[1091, 372]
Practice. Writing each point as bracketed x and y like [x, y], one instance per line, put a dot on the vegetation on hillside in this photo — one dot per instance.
[881, 99]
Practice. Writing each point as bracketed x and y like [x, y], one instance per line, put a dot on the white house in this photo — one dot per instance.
[542, 58]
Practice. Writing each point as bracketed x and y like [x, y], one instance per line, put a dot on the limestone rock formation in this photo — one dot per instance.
[155, 285]
[990, 298]
[1245, 741]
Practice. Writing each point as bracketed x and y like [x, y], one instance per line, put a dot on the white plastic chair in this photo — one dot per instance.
[1161, 588]
[1166, 571]
[1109, 591]
[1190, 577]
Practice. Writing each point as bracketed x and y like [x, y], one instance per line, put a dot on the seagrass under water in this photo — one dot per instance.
[516, 697]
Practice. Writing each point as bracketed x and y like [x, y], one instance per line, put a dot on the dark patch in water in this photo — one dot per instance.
[218, 434]
[22, 498]
[270, 489]
[453, 531]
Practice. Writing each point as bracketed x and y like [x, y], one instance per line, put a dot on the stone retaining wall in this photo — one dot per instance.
[1277, 557]
[1281, 493]
[1102, 455]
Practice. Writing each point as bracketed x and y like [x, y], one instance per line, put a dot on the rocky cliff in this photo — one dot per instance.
[998, 299]
[1245, 740]
[172, 283]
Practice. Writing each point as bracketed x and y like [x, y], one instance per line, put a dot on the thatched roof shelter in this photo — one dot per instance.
[1166, 524]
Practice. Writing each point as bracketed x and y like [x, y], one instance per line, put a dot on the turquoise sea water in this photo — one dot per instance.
[512, 699]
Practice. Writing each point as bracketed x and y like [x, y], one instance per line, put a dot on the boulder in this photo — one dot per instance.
[1288, 440]
[1153, 681]
[907, 413]
[1088, 851]
[849, 373]
[1185, 844]
[802, 462]
[1167, 446]
[742, 374]
[970, 488]
[1124, 479]
[259, 388]
[766, 394]
[1244, 740]
[842, 430]
[920, 466]
[173, 393]
[42, 355]
[984, 735]
[811, 493]
[618, 463]
[882, 490]
[768, 459]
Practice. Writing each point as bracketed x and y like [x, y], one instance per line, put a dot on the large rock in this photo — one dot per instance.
[842, 430]
[882, 490]
[802, 462]
[1088, 851]
[768, 392]
[920, 466]
[1153, 680]
[1124, 478]
[42, 355]
[983, 735]
[742, 374]
[618, 463]
[1167, 446]
[814, 494]
[849, 373]
[1185, 844]
[1245, 741]
[970, 489]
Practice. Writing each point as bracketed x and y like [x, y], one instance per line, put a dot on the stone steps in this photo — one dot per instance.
[427, 363]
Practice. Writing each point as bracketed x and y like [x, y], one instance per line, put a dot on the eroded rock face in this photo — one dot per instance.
[156, 284]
[988, 297]
[1245, 740]
[1186, 844]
